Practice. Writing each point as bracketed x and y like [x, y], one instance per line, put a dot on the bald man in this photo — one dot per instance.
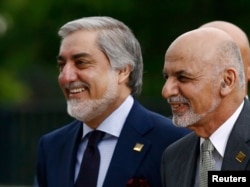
[205, 87]
[240, 38]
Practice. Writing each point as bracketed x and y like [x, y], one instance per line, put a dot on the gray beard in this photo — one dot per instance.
[86, 110]
[190, 117]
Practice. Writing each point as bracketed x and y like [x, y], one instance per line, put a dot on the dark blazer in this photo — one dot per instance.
[57, 151]
[179, 160]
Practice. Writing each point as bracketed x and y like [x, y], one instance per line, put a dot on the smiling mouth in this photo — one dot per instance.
[175, 106]
[178, 107]
[76, 90]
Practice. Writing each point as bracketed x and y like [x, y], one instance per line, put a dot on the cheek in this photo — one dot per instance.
[98, 85]
[203, 100]
[196, 95]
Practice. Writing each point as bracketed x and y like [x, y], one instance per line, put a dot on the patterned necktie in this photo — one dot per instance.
[207, 162]
[89, 169]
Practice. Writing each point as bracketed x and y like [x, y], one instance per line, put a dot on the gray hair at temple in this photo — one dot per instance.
[229, 54]
[116, 41]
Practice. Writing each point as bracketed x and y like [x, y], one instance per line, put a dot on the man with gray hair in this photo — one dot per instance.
[205, 87]
[114, 141]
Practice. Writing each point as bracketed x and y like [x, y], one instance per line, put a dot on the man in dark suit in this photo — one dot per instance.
[101, 69]
[205, 87]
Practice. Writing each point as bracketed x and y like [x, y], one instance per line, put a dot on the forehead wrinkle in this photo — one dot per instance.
[187, 73]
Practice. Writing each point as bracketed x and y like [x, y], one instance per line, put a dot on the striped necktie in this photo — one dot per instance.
[207, 162]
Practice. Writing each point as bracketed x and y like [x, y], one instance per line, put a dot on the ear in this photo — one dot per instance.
[228, 81]
[123, 74]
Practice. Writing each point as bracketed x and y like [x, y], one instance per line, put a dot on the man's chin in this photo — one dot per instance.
[180, 123]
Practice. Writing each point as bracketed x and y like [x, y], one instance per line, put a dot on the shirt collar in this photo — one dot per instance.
[220, 137]
[113, 124]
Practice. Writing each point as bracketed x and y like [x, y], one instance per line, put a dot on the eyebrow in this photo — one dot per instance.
[75, 56]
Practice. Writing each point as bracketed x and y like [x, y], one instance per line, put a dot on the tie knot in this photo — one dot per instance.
[207, 145]
[95, 137]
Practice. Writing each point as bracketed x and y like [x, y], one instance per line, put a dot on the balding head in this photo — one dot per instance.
[240, 38]
[209, 48]
[200, 43]
[205, 80]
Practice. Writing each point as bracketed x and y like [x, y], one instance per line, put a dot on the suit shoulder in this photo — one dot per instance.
[151, 115]
[161, 124]
[164, 122]
[62, 131]
[183, 143]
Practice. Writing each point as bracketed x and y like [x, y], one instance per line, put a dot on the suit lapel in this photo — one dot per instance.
[125, 160]
[237, 153]
[190, 163]
[68, 155]
[127, 156]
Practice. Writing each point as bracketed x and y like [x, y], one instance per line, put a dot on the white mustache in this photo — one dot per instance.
[76, 85]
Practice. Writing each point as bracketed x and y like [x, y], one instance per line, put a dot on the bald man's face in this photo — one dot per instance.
[192, 86]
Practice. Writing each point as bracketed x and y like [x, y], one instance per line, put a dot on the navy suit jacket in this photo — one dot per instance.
[179, 161]
[57, 151]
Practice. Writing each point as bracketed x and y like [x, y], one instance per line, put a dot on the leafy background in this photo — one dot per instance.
[31, 102]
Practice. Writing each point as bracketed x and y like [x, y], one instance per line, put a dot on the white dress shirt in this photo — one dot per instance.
[219, 140]
[112, 126]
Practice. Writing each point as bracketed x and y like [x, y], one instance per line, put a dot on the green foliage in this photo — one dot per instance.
[12, 90]
[29, 46]
[28, 35]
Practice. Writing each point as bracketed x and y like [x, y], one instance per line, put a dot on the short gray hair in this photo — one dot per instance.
[116, 41]
[229, 54]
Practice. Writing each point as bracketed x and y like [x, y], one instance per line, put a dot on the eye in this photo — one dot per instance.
[82, 63]
[183, 78]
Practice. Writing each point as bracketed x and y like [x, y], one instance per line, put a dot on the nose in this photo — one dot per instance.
[170, 88]
[68, 74]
